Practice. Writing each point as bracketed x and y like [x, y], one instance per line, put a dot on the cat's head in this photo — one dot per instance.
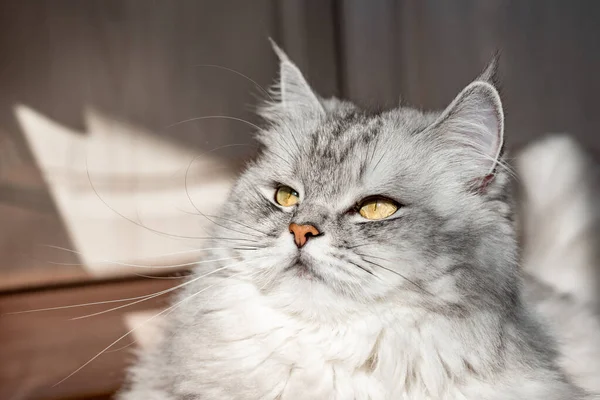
[402, 204]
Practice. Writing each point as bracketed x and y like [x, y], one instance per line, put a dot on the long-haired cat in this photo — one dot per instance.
[368, 256]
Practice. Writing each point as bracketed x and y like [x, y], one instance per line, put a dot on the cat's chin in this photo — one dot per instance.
[303, 267]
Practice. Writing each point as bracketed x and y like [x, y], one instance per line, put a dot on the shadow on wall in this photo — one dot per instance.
[137, 63]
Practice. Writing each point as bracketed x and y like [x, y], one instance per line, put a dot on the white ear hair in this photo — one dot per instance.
[475, 122]
[294, 92]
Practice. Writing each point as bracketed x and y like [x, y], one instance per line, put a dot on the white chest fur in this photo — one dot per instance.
[252, 349]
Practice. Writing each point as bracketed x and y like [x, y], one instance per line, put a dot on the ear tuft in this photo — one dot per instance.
[490, 74]
[294, 92]
[280, 53]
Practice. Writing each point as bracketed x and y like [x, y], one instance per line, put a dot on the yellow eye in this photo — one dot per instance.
[377, 208]
[286, 196]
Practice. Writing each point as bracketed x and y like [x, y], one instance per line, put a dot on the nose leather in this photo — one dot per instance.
[302, 233]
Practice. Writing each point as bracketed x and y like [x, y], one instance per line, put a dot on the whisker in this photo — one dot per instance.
[194, 205]
[187, 264]
[197, 209]
[359, 245]
[167, 290]
[361, 267]
[133, 330]
[122, 347]
[374, 148]
[375, 257]
[237, 222]
[381, 159]
[185, 121]
[278, 156]
[129, 304]
[160, 277]
[148, 228]
[93, 303]
[111, 262]
[143, 258]
[223, 218]
[258, 86]
[397, 273]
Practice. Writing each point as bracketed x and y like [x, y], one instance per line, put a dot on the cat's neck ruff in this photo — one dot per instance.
[407, 352]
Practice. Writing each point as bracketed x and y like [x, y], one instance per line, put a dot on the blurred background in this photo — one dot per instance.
[120, 120]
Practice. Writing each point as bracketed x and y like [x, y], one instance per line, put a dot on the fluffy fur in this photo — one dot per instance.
[560, 221]
[561, 218]
[425, 304]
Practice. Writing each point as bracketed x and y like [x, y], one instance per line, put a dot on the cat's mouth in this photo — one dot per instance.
[303, 267]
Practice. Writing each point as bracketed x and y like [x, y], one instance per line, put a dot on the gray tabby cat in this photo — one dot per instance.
[370, 256]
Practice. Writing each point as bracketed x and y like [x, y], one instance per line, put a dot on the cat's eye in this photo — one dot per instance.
[286, 196]
[377, 208]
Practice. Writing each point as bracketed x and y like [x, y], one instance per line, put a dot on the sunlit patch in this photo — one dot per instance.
[95, 178]
[286, 196]
[377, 208]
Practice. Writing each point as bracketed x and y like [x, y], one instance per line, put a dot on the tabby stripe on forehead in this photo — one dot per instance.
[344, 124]
[372, 131]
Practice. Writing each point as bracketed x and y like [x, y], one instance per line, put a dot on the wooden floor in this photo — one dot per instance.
[39, 349]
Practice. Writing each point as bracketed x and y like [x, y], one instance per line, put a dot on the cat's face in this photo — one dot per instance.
[368, 206]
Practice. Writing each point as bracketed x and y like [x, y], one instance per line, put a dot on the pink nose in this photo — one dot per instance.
[302, 233]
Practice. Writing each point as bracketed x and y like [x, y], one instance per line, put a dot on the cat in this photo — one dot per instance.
[365, 256]
[560, 218]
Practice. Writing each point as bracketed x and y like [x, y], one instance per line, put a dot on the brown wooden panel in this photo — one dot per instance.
[39, 349]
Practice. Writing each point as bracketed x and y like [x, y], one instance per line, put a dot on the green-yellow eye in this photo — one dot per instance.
[286, 196]
[377, 208]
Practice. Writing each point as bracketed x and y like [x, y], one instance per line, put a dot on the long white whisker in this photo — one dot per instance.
[262, 89]
[167, 290]
[143, 258]
[95, 303]
[88, 304]
[121, 348]
[133, 330]
[187, 192]
[160, 277]
[147, 227]
[213, 117]
[155, 266]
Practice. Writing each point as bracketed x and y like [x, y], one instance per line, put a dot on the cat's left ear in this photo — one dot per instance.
[473, 125]
[294, 92]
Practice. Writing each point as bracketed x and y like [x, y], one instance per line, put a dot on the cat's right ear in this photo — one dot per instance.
[292, 95]
[472, 127]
